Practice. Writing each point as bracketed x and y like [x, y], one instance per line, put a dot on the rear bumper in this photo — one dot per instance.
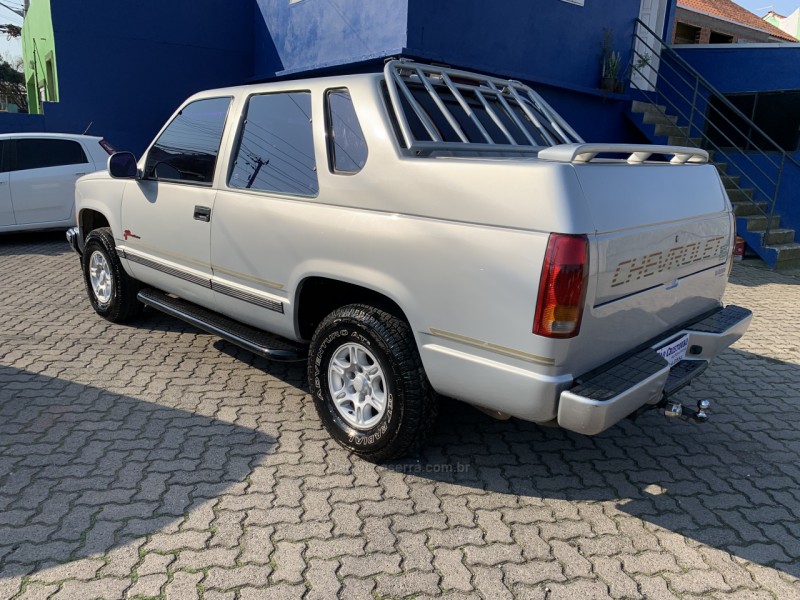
[74, 239]
[603, 397]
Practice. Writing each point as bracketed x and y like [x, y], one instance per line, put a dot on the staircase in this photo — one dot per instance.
[775, 244]
[675, 107]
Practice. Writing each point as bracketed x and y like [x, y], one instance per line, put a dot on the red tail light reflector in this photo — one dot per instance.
[562, 287]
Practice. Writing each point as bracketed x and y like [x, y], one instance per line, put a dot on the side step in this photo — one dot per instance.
[252, 339]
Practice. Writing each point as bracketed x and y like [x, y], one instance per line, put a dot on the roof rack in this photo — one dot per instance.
[457, 110]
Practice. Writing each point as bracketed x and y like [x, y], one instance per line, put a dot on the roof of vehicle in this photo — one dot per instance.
[331, 81]
[42, 134]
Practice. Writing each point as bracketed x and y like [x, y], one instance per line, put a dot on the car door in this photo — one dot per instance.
[167, 213]
[42, 179]
[6, 208]
[254, 234]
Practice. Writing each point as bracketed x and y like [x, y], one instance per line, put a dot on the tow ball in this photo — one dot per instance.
[674, 409]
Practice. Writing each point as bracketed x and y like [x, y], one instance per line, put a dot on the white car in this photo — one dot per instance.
[37, 177]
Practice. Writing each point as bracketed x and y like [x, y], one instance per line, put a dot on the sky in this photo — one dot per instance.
[9, 48]
[762, 7]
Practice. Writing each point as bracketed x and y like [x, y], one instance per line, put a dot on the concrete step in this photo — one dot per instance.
[737, 195]
[721, 166]
[672, 131]
[747, 209]
[682, 140]
[638, 106]
[776, 237]
[731, 182]
[656, 118]
[787, 253]
[759, 222]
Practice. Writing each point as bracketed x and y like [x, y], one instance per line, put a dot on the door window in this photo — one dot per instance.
[187, 150]
[35, 153]
[276, 146]
[347, 147]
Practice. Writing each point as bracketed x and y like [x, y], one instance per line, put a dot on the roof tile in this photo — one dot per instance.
[727, 9]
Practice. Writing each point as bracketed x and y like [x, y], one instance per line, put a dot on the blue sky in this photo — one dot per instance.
[761, 7]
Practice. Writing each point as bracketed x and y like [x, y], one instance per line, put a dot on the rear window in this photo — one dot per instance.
[35, 153]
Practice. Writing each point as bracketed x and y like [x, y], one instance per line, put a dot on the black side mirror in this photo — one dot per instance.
[122, 165]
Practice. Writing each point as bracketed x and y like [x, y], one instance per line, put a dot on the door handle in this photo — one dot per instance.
[202, 213]
[80, 174]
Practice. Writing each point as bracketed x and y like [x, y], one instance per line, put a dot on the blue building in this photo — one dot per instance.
[122, 68]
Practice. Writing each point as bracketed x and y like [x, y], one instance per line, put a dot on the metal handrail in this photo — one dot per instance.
[694, 83]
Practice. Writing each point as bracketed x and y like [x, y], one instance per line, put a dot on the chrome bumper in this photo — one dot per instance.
[611, 393]
[74, 239]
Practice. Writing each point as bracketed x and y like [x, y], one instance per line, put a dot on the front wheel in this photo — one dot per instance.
[112, 292]
[368, 384]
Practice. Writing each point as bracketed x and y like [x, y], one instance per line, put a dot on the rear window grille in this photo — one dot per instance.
[444, 109]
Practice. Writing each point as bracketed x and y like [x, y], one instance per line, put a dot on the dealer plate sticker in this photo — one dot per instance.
[676, 351]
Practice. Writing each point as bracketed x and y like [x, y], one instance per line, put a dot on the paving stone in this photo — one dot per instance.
[226, 579]
[157, 449]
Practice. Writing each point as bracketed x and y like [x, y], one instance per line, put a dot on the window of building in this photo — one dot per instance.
[276, 146]
[686, 34]
[37, 153]
[187, 150]
[720, 38]
[346, 144]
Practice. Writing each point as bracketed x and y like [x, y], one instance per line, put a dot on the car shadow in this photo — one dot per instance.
[731, 484]
[84, 470]
[35, 243]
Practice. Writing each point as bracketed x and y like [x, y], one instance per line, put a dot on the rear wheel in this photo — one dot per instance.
[368, 383]
[112, 292]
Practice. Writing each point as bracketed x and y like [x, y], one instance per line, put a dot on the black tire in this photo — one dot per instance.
[411, 404]
[122, 305]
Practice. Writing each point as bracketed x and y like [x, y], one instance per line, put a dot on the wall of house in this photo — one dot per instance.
[38, 49]
[555, 45]
[125, 67]
[707, 24]
[744, 68]
[294, 36]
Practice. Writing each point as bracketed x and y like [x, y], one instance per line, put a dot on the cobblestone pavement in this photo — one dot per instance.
[155, 460]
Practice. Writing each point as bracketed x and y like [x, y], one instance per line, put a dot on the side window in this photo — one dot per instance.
[276, 146]
[35, 153]
[347, 148]
[187, 149]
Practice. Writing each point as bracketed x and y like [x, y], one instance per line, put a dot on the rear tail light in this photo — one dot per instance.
[562, 288]
[107, 147]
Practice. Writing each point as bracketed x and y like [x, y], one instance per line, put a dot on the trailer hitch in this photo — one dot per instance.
[677, 410]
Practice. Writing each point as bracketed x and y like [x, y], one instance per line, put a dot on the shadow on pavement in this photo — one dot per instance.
[84, 470]
[731, 484]
[35, 243]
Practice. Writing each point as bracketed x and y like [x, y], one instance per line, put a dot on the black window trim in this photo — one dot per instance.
[216, 161]
[329, 137]
[10, 157]
[238, 142]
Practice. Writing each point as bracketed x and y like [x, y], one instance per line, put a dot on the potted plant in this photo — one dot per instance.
[610, 65]
[610, 81]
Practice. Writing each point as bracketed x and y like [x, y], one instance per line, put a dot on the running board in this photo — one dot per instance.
[252, 339]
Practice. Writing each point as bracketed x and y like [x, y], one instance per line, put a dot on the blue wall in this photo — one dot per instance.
[124, 67]
[314, 34]
[743, 68]
[547, 41]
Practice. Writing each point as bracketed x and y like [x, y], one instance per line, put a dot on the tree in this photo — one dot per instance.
[12, 86]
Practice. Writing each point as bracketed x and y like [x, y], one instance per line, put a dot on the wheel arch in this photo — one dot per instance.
[316, 296]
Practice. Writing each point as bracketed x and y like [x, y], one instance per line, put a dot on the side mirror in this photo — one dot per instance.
[122, 165]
